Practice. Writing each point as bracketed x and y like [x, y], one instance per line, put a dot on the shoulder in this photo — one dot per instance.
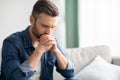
[13, 39]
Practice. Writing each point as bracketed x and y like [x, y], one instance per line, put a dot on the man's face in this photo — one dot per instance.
[45, 24]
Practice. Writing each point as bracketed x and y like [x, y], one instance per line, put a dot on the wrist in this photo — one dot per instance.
[39, 52]
[55, 51]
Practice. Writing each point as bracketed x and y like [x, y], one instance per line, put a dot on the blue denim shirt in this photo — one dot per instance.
[15, 52]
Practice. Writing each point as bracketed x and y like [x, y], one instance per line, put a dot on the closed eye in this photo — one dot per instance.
[46, 26]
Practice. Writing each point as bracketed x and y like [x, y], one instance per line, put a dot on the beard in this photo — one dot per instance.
[35, 31]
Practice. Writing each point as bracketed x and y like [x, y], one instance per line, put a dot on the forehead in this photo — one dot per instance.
[46, 19]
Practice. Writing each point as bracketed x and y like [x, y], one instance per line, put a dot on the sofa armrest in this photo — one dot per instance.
[116, 60]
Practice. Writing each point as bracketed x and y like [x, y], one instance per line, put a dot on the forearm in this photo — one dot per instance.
[61, 60]
[12, 70]
[34, 59]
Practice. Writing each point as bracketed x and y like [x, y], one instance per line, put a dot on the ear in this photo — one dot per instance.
[32, 20]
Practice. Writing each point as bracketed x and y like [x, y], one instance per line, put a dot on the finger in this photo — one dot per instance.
[49, 43]
[45, 41]
[46, 38]
[42, 37]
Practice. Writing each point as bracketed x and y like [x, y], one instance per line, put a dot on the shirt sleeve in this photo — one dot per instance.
[70, 65]
[25, 67]
[69, 72]
[11, 68]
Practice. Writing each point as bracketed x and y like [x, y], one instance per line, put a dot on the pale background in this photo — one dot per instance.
[14, 16]
[99, 21]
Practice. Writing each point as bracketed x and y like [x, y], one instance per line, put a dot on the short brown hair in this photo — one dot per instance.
[45, 6]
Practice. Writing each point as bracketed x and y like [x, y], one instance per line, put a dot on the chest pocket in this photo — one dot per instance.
[24, 54]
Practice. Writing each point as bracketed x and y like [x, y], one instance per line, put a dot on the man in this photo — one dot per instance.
[35, 49]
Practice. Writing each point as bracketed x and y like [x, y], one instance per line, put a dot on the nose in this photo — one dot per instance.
[48, 31]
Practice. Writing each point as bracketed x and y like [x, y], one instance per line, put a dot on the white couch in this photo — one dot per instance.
[93, 63]
[89, 66]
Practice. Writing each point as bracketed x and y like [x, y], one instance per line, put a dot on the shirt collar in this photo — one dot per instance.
[26, 38]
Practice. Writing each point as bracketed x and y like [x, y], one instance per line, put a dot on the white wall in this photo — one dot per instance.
[100, 23]
[60, 33]
[14, 16]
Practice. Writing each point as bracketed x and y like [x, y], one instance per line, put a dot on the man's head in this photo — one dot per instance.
[44, 6]
[44, 18]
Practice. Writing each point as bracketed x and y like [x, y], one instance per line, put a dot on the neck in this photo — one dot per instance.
[35, 40]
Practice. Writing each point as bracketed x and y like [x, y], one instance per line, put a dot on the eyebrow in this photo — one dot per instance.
[46, 25]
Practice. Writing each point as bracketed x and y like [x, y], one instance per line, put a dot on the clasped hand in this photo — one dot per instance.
[47, 43]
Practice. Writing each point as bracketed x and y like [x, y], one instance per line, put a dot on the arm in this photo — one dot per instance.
[12, 69]
[50, 43]
[61, 60]
[69, 71]
[62, 64]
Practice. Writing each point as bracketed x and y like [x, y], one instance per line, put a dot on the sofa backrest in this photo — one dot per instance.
[83, 56]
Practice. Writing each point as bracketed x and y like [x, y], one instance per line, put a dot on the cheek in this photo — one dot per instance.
[40, 29]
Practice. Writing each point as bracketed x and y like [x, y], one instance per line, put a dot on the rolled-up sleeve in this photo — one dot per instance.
[25, 68]
[69, 72]
[70, 65]
[11, 68]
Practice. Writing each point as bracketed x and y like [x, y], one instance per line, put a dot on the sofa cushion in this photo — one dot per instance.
[99, 69]
[83, 56]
